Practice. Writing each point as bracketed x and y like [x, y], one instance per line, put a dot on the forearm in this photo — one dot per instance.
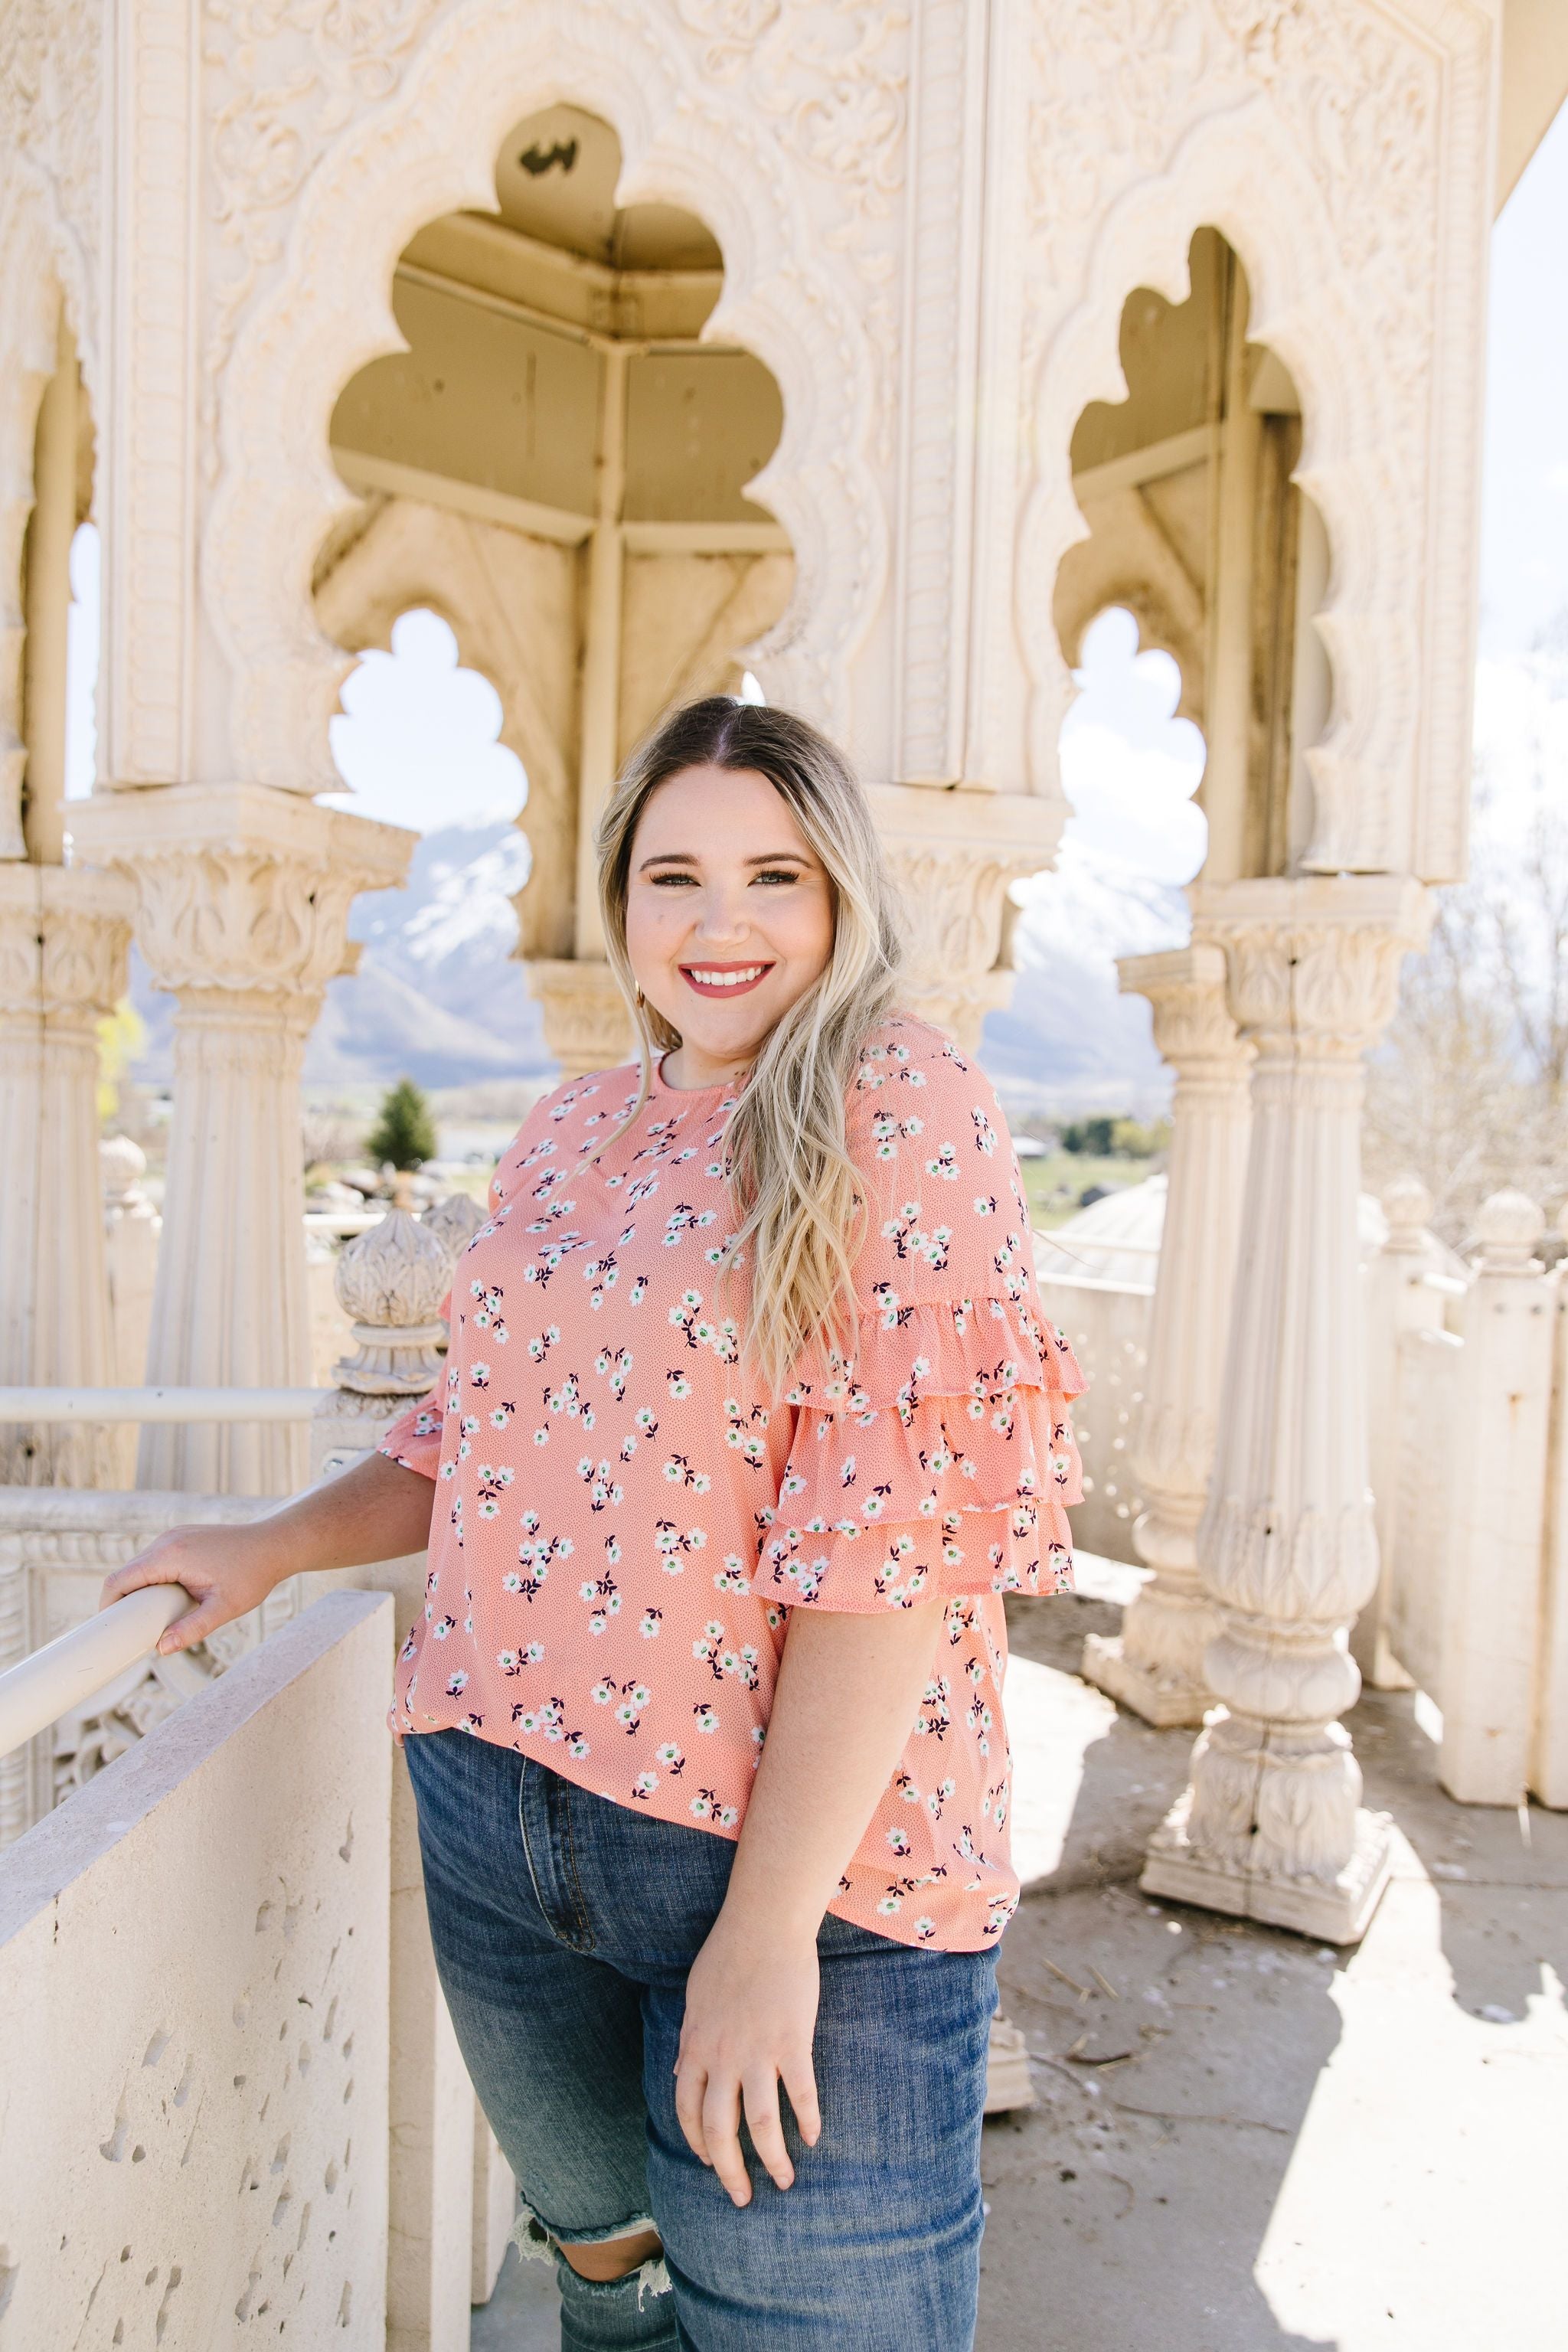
[849, 1691]
[376, 1510]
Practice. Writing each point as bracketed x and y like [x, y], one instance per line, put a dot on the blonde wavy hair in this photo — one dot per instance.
[796, 1193]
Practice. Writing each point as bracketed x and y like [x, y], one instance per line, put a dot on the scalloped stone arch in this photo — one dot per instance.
[411, 556]
[39, 276]
[1158, 630]
[428, 151]
[1304, 307]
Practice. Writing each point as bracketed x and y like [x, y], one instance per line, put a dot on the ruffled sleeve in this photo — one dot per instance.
[940, 1455]
[415, 1437]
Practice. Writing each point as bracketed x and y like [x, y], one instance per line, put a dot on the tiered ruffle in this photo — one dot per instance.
[940, 1456]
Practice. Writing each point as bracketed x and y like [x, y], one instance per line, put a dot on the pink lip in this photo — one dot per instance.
[741, 988]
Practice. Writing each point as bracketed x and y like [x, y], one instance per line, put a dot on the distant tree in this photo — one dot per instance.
[405, 1131]
[1469, 1091]
[1092, 1136]
[1132, 1139]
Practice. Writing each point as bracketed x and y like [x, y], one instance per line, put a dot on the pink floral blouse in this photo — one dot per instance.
[624, 1518]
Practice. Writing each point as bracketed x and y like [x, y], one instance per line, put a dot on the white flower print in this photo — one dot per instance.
[673, 1546]
[882, 1510]
[603, 1490]
[486, 1313]
[744, 1431]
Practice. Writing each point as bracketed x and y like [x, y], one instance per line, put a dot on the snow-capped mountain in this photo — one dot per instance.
[438, 996]
[1070, 1041]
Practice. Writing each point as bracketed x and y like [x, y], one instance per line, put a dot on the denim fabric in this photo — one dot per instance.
[564, 1928]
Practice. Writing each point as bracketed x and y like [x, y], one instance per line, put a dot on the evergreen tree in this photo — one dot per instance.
[404, 1132]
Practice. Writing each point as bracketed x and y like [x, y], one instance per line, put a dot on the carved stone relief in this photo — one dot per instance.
[792, 151]
[1149, 121]
[51, 66]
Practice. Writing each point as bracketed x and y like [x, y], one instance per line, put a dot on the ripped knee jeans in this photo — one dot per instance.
[564, 1928]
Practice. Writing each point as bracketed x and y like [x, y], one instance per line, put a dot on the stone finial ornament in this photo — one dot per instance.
[1508, 1226]
[454, 1221]
[392, 1281]
[1408, 1205]
[122, 1164]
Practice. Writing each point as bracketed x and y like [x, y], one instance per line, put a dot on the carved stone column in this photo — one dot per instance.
[952, 854]
[587, 1025]
[63, 940]
[1155, 1667]
[243, 898]
[1270, 1826]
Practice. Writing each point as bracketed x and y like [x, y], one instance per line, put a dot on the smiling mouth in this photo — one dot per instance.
[724, 979]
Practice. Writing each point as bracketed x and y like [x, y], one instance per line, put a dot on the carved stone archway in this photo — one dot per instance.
[1384, 464]
[689, 138]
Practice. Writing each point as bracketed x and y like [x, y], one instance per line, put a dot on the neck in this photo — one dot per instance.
[688, 1069]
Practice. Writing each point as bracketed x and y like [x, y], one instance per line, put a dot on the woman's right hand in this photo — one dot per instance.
[225, 1571]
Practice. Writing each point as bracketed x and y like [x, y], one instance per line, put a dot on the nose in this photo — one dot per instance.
[725, 923]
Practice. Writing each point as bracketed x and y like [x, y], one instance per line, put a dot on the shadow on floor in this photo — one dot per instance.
[1280, 2145]
[1246, 2142]
[1127, 2207]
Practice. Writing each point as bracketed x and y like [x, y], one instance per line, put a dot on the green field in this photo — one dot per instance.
[1054, 1183]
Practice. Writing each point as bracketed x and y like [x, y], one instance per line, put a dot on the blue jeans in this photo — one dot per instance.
[564, 1928]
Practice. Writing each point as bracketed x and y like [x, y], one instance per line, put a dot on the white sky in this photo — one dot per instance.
[416, 740]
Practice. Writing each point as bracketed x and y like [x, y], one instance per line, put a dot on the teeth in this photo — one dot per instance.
[727, 979]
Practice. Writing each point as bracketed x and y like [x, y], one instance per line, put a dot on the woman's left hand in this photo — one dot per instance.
[751, 2013]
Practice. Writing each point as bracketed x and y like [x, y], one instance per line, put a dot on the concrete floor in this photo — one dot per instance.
[1245, 2142]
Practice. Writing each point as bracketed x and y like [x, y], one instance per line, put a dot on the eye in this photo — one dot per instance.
[676, 879]
[778, 874]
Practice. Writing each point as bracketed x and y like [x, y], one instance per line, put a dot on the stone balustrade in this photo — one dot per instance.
[1473, 1605]
[447, 2200]
[193, 1972]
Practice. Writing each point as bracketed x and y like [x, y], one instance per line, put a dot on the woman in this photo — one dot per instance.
[750, 1416]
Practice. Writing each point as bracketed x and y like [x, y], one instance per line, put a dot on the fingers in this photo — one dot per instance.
[166, 1561]
[193, 1627]
[709, 2109]
[690, 2082]
[799, 2082]
[149, 1567]
[766, 2127]
[722, 2133]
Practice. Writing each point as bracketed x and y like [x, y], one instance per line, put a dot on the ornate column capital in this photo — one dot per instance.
[240, 888]
[1195, 1029]
[586, 1023]
[64, 935]
[1313, 961]
[952, 854]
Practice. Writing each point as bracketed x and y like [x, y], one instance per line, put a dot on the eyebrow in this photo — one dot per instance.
[689, 858]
